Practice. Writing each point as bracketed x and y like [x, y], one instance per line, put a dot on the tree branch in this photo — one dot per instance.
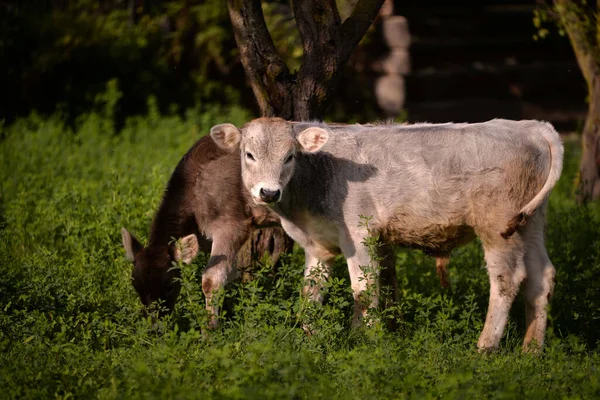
[268, 74]
[318, 22]
[327, 45]
[356, 25]
[586, 52]
[597, 23]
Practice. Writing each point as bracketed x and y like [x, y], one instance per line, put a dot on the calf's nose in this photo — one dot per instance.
[270, 196]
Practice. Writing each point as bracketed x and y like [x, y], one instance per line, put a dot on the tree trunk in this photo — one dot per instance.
[589, 171]
[327, 45]
[271, 241]
[266, 71]
[585, 41]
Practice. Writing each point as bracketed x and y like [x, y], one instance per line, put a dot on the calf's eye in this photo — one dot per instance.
[249, 156]
[289, 158]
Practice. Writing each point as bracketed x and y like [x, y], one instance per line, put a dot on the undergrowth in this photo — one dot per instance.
[72, 326]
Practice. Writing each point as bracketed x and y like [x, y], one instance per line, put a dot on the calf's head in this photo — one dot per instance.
[154, 275]
[268, 149]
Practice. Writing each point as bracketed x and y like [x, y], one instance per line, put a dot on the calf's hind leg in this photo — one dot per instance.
[364, 274]
[388, 294]
[316, 273]
[538, 285]
[506, 270]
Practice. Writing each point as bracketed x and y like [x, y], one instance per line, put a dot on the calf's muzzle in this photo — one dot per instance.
[270, 196]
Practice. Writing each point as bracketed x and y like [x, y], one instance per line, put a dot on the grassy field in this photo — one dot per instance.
[71, 324]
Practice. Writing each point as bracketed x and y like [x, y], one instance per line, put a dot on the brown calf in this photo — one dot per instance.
[206, 205]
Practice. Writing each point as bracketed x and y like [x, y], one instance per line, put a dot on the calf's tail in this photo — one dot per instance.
[556, 152]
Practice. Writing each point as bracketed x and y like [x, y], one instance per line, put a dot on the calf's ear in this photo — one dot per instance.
[131, 244]
[312, 139]
[226, 136]
[186, 249]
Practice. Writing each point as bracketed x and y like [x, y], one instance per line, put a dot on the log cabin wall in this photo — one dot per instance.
[476, 60]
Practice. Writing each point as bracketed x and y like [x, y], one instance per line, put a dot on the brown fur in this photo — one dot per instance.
[204, 196]
[441, 263]
[514, 224]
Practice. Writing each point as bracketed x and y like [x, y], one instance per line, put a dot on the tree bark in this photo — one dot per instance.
[267, 73]
[586, 47]
[589, 169]
[327, 45]
[271, 241]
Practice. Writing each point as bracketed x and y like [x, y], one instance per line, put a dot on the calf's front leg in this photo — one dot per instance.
[364, 275]
[316, 273]
[221, 269]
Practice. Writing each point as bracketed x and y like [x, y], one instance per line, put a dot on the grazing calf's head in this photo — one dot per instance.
[268, 147]
[154, 276]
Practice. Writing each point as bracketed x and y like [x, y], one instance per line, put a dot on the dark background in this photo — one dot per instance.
[471, 60]
[477, 60]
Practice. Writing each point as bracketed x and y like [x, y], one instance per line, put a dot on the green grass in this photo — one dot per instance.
[71, 324]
